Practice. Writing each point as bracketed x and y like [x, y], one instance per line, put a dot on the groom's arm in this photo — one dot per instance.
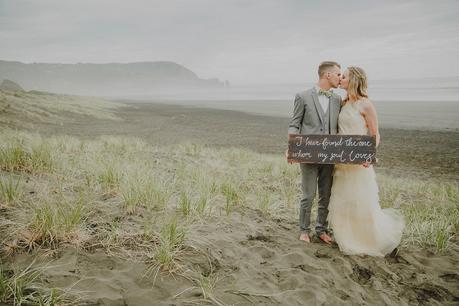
[297, 117]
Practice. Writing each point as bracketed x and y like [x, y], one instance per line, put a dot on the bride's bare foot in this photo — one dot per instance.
[325, 238]
[305, 237]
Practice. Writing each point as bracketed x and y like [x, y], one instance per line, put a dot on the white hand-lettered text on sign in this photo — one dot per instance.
[332, 149]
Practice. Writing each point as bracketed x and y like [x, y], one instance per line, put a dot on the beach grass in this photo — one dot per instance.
[137, 200]
[10, 189]
[23, 287]
[53, 222]
[430, 208]
[168, 250]
[232, 179]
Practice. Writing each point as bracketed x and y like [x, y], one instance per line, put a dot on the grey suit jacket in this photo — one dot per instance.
[308, 116]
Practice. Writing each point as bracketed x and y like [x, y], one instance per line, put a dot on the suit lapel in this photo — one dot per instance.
[319, 110]
[332, 108]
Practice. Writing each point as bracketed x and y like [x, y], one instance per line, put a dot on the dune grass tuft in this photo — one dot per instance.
[232, 196]
[110, 177]
[185, 204]
[56, 221]
[171, 241]
[17, 156]
[11, 189]
[24, 287]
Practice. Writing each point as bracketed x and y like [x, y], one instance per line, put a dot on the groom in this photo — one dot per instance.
[316, 112]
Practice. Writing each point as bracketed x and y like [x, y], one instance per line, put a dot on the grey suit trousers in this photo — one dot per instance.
[313, 177]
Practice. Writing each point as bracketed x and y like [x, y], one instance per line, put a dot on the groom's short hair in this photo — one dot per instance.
[324, 66]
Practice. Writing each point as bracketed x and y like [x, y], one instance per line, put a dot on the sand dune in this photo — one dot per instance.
[257, 261]
[110, 240]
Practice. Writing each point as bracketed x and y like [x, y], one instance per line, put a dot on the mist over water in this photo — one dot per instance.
[412, 104]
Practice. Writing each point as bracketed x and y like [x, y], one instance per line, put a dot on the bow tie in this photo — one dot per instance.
[326, 93]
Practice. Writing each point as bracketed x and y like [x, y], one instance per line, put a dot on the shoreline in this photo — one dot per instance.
[389, 118]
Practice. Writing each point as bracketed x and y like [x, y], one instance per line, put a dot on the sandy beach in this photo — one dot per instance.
[249, 255]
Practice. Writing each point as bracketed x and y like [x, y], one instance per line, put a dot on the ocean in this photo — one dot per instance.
[427, 104]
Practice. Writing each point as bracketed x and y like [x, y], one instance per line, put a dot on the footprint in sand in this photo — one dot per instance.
[361, 275]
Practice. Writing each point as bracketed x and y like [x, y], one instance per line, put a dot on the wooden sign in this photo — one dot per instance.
[331, 149]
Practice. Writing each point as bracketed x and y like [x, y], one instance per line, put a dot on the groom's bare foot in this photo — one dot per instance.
[325, 238]
[305, 237]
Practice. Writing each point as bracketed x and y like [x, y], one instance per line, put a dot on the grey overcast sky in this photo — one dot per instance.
[265, 41]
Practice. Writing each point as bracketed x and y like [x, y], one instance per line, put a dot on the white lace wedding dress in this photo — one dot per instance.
[359, 224]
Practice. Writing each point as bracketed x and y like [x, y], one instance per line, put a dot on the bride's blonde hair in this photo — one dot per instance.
[357, 83]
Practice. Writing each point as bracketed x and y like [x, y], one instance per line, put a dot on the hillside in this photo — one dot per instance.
[9, 85]
[104, 79]
[28, 110]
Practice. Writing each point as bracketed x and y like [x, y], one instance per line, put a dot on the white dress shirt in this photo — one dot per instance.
[323, 100]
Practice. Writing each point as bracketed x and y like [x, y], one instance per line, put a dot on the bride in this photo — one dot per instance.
[359, 224]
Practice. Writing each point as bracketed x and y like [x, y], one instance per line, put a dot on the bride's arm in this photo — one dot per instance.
[368, 111]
